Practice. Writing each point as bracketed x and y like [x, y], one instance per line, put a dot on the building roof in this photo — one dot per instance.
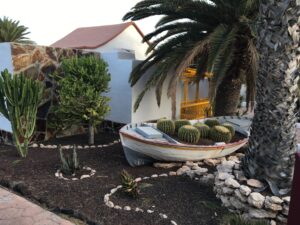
[93, 37]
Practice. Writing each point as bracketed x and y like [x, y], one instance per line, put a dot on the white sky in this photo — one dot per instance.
[49, 21]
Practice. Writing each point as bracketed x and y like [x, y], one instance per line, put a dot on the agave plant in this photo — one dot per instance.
[69, 164]
[129, 185]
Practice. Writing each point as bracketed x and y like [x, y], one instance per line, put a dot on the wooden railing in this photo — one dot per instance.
[197, 109]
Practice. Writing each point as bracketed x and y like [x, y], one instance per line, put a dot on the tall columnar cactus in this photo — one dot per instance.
[180, 123]
[203, 129]
[166, 126]
[229, 127]
[212, 122]
[220, 134]
[19, 100]
[189, 134]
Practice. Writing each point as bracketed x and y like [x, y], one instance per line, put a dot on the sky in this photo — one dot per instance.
[48, 21]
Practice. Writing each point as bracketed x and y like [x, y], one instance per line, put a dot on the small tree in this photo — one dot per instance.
[19, 100]
[81, 83]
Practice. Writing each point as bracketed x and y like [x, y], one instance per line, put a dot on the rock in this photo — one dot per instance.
[127, 208]
[57, 174]
[167, 165]
[239, 196]
[245, 190]
[207, 179]
[172, 173]
[285, 210]
[138, 179]
[211, 162]
[93, 146]
[261, 213]
[281, 218]
[106, 198]
[224, 176]
[239, 175]
[79, 147]
[256, 199]
[182, 170]
[42, 146]
[139, 210]
[190, 164]
[219, 183]
[150, 211]
[154, 176]
[173, 222]
[114, 190]
[237, 166]
[275, 200]
[84, 176]
[237, 203]
[117, 207]
[34, 145]
[99, 146]
[190, 173]
[226, 166]
[200, 171]
[163, 175]
[225, 201]
[234, 159]
[272, 222]
[287, 199]
[164, 216]
[110, 204]
[74, 178]
[230, 182]
[254, 183]
[227, 190]
[269, 204]
[146, 178]
[240, 155]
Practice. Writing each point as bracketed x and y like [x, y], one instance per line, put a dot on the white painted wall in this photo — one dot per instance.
[5, 63]
[129, 39]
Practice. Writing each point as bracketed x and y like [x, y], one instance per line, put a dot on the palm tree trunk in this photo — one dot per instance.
[272, 144]
[228, 97]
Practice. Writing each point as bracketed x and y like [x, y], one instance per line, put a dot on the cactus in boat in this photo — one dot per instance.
[229, 127]
[220, 134]
[189, 134]
[129, 185]
[69, 164]
[203, 129]
[166, 126]
[19, 100]
[180, 123]
[212, 122]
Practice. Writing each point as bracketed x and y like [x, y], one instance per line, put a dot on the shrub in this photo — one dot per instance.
[203, 129]
[180, 123]
[19, 100]
[212, 122]
[129, 185]
[69, 164]
[220, 134]
[229, 127]
[81, 84]
[166, 126]
[189, 134]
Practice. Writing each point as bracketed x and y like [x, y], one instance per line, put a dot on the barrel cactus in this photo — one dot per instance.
[220, 134]
[166, 126]
[212, 122]
[229, 127]
[189, 134]
[180, 123]
[203, 129]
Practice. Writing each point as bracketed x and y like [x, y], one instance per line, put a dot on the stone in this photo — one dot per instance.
[245, 190]
[261, 213]
[150, 211]
[225, 201]
[84, 176]
[219, 183]
[106, 198]
[117, 207]
[190, 164]
[237, 166]
[163, 175]
[224, 176]
[269, 204]
[200, 171]
[34, 145]
[172, 173]
[146, 178]
[275, 200]
[227, 190]
[173, 222]
[240, 155]
[127, 208]
[75, 178]
[167, 165]
[182, 170]
[139, 210]
[237, 203]
[211, 162]
[226, 166]
[239, 175]
[190, 173]
[230, 182]
[234, 159]
[256, 199]
[207, 179]
[79, 147]
[241, 197]
[254, 183]
[287, 199]
[138, 179]
[154, 176]
[114, 190]
[110, 204]
[281, 218]
[164, 216]
[272, 222]
[285, 210]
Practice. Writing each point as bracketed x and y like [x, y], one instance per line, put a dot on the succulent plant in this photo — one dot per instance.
[212, 122]
[166, 126]
[189, 134]
[69, 164]
[180, 123]
[220, 134]
[129, 185]
[229, 127]
[203, 129]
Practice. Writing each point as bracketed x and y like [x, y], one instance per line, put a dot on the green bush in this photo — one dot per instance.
[180, 123]
[166, 126]
[189, 134]
[81, 84]
[220, 134]
[212, 122]
[203, 129]
[19, 101]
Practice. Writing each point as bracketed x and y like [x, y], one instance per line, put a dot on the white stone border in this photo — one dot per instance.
[35, 145]
[60, 175]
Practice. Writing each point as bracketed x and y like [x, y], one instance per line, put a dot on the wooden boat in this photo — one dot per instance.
[140, 150]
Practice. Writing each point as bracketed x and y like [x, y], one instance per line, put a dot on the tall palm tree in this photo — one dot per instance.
[218, 36]
[272, 144]
[11, 31]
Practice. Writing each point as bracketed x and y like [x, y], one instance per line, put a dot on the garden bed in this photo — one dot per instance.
[185, 201]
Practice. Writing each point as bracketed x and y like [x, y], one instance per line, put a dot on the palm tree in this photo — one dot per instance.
[272, 144]
[218, 36]
[11, 31]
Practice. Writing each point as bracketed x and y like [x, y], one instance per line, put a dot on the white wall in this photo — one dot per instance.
[120, 90]
[5, 63]
[129, 39]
